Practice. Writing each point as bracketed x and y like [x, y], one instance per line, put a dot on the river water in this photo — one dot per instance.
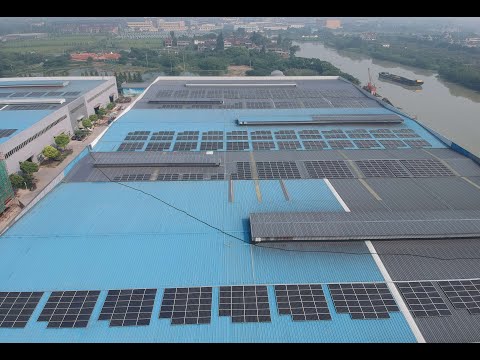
[450, 109]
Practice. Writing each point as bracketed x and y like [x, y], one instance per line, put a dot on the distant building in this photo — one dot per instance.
[183, 43]
[86, 26]
[368, 36]
[36, 109]
[172, 26]
[10, 37]
[472, 42]
[333, 24]
[386, 45]
[168, 42]
[141, 26]
[248, 27]
[209, 27]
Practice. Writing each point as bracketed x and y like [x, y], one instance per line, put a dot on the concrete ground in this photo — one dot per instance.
[47, 174]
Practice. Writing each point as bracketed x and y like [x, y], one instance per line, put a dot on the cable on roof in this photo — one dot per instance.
[274, 248]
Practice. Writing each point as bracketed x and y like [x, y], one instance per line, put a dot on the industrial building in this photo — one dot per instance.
[34, 110]
[251, 209]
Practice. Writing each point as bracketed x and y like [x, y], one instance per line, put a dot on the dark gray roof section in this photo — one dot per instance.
[254, 94]
[459, 327]
[320, 226]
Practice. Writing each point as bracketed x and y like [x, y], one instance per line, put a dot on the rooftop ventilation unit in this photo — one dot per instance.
[31, 101]
[33, 83]
[153, 159]
[242, 85]
[329, 226]
[187, 102]
[359, 119]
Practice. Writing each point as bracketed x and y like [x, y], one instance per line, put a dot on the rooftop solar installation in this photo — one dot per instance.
[16, 308]
[244, 304]
[6, 132]
[463, 294]
[304, 302]
[187, 306]
[423, 299]
[128, 307]
[69, 309]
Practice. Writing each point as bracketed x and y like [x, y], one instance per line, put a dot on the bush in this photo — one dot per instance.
[81, 134]
[28, 167]
[101, 112]
[62, 141]
[30, 180]
[93, 118]
[17, 181]
[50, 152]
[110, 106]
[87, 123]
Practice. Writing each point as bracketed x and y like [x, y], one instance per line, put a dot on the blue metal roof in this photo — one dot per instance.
[20, 120]
[102, 235]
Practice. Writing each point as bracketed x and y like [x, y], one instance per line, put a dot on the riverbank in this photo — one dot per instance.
[447, 108]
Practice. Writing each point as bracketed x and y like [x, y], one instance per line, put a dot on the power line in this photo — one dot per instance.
[275, 248]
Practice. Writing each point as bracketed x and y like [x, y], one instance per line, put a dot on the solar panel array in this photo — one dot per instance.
[328, 169]
[244, 171]
[302, 302]
[423, 299]
[128, 307]
[132, 146]
[69, 309]
[427, 168]
[16, 308]
[382, 168]
[6, 132]
[268, 170]
[285, 139]
[185, 306]
[363, 300]
[244, 303]
[463, 294]
[133, 177]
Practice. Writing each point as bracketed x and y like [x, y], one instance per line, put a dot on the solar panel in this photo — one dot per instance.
[302, 302]
[212, 136]
[188, 135]
[340, 144]
[288, 145]
[129, 307]
[6, 132]
[237, 135]
[382, 168]
[426, 168]
[217, 177]
[383, 135]
[69, 309]
[16, 308]
[71, 93]
[423, 299]
[417, 143]
[54, 93]
[263, 145]
[463, 294]
[185, 306]
[328, 169]
[36, 94]
[366, 144]
[406, 133]
[285, 134]
[244, 171]
[211, 145]
[164, 133]
[167, 177]
[268, 170]
[315, 145]
[258, 105]
[136, 137]
[245, 303]
[4, 95]
[392, 144]
[309, 134]
[158, 146]
[30, 107]
[363, 300]
[162, 137]
[139, 132]
[360, 136]
[187, 177]
[184, 146]
[132, 177]
[237, 145]
[261, 135]
[132, 146]
[333, 134]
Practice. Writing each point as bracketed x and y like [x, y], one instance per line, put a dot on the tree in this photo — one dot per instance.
[101, 112]
[89, 61]
[263, 50]
[279, 40]
[129, 77]
[86, 123]
[96, 73]
[92, 73]
[62, 141]
[50, 152]
[110, 106]
[17, 181]
[293, 49]
[28, 167]
[93, 118]
[220, 44]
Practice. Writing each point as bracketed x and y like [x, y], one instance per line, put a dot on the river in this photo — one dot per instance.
[450, 109]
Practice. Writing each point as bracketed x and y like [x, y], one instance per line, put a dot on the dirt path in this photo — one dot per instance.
[238, 70]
